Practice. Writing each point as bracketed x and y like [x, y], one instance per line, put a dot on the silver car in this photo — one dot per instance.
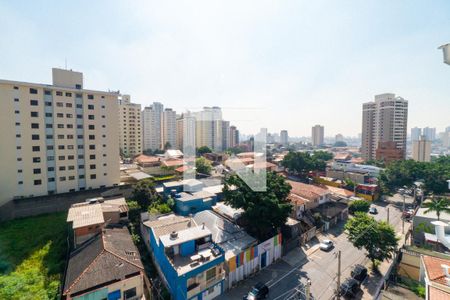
[326, 245]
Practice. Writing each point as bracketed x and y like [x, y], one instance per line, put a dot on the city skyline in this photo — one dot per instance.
[290, 62]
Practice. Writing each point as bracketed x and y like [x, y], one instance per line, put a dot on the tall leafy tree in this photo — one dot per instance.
[264, 212]
[144, 193]
[203, 166]
[437, 205]
[359, 206]
[203, 149]
[376, 237]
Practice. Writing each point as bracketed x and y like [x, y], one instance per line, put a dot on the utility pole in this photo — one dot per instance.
[338, 296]
[387, 216]
[307, 289]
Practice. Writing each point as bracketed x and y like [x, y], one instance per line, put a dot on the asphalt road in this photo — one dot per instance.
[287, 277]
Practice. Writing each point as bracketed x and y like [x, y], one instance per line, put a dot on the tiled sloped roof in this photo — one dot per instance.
[434, 269]
[107, 257]
[85, 214]
[307, 191]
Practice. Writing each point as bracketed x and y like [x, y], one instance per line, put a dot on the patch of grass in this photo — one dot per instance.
[32, 256]
[417, 287]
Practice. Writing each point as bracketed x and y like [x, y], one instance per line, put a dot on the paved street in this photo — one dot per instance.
[289, 274]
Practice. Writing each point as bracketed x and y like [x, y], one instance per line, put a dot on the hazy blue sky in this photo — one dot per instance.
[276, 64]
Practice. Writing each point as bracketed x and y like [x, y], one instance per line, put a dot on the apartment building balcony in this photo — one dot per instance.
[196, 288]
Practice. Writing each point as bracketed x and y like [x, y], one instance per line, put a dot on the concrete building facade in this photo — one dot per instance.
[151, 126]
[421, 149]
[317, 134]
[234, 136]
[384, 120]
[284, 137]
[57, 138]
[130, 129]
[169, 128]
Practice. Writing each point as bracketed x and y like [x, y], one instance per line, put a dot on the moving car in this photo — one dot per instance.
[259, 291]
[373, 210]
[326, 245]
[359, 273]
[349, 288]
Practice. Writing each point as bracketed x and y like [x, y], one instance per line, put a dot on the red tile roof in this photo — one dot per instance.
[307, 191]
[146, 159]
[434, 269]
[173, 163]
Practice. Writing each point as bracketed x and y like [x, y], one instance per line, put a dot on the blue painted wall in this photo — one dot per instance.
[193, 206]
[188, 248]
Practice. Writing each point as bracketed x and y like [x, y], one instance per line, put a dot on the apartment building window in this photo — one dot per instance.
[69, 126]
[70, 116]
[35, 125]
[19, 159]
[79, 105]
[59, 93]
[103, 135]
[49, 136]
[70, 136]
[71, 167]
[61, 147]
[62, 168]
[50, 147]
[16, 99]
[62, 178]
[71, 177]
[70, 147]
[79, 116]
[104, 155]
[70, 157]
[78, 87]
[50, 158]
[61, 157]
[19, 171]
[36, 148]
[34, 114]
[48, 103]
[48, 115]
[80, 156]
[60, 125]
[91, 147]
[90, 97]
[68, 104]
[60, 115]
[33, 102]
[36, 171]
[35, 137]
[103, 106]
[92, 167]
[93, 176]
[91, 127]
[130, 293]
[60, 136]
[103, 116]
[20, 182]
[48, 125]
[37, 182]
[104, 145]
[68, 94]
[16, 87]
[50, 169]
[18, 135]
[51, 179]
[17, 112]
[92, 156]
[104, 164]
[80, 166]
[90, 106]
[47, 92]
[103, 126]
[80, 146]
[91, 117]
[33, 91]
[80, 136]
[36, 159]
[81, 176]
[92, 137]
[59, 104]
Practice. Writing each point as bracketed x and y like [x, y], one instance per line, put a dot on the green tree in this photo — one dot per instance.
[264, 212]
[202, 150]
[203, 166]
[144, 193]
[167, 146]
[322, 155]
[340, 144]
[349, 184]
[359, 206]
[437, 205]
[376, 237]
[299, 163]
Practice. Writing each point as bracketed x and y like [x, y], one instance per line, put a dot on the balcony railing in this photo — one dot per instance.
[205, 285]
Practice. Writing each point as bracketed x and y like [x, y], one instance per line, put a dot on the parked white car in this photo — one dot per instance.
[326, 245]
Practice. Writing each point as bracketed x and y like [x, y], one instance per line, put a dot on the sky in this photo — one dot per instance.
[274, 64]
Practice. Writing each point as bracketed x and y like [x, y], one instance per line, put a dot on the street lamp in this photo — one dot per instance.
[446, 50]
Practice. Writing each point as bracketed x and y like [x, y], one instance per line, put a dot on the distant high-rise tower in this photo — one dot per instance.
[384, 120]
[209, 128]
[429, 133]
[317, 133]
[185, 135]
[284, 138]
[151, 121]
[416, 132]
[169, 129]
[421, 149]
[234, 136]
[339, 137]
[130, 132]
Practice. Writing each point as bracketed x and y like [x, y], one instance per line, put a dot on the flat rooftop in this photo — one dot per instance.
[185, 235]
[85, 215]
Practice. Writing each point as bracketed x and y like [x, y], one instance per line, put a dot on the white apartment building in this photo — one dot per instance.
[384, 119]
[185, 140]
[57, 138]
[209, 128]
[421, 149]
[151, 126]
[416, 132]
[317, 134]
[169, 128]
[130, 129]
[429, 133]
